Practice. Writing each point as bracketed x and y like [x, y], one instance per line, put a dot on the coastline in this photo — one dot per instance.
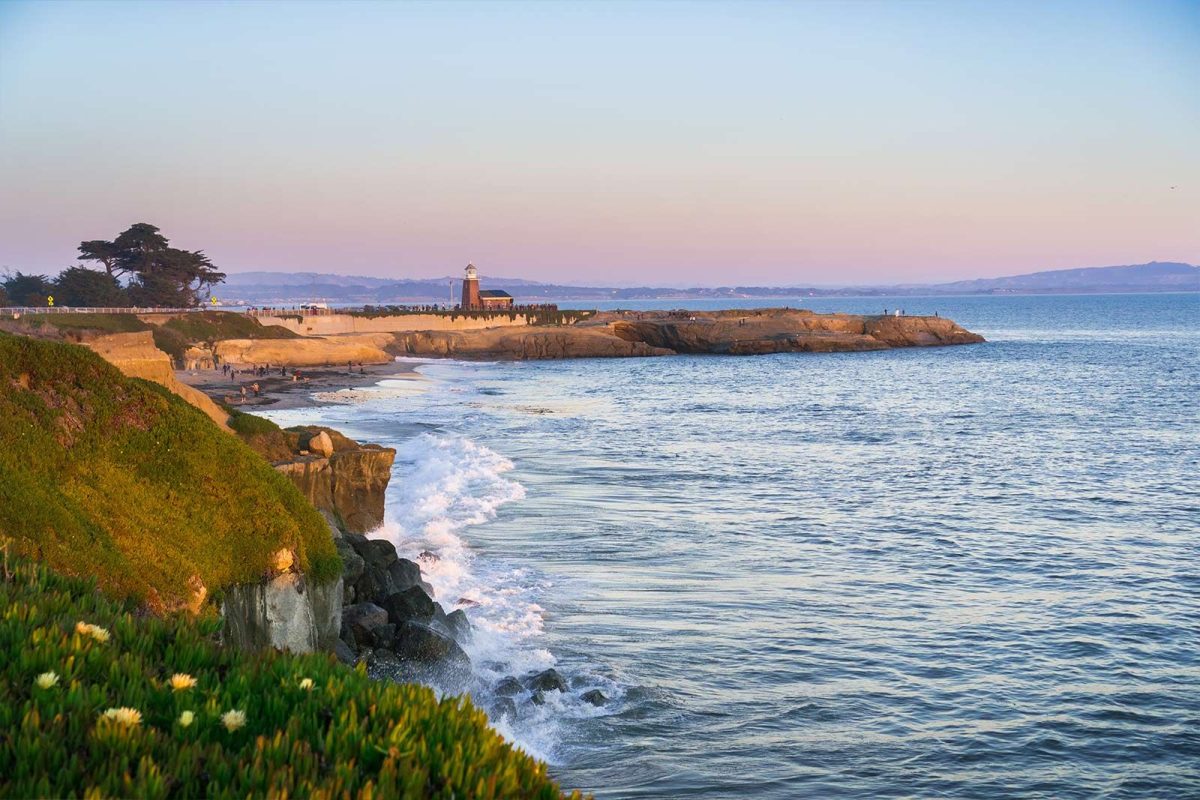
[315, 387]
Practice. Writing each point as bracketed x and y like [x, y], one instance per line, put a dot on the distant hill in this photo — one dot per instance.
[267, 288]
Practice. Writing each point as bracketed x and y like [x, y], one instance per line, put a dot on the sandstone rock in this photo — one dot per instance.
[548, 681]
[410, 604]
[321, 444]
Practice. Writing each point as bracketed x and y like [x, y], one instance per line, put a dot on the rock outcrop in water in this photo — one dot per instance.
[615, 334]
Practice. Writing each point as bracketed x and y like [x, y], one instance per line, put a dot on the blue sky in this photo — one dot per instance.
[702, 143]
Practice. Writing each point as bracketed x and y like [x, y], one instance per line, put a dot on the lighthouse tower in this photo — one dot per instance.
[470, 290]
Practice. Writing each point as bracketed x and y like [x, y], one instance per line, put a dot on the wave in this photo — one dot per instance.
[444, 484]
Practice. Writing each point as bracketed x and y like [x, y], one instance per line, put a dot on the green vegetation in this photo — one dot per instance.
[118, 478]
[342, 735]
[108, 323]
[212, 326]
[245, 424]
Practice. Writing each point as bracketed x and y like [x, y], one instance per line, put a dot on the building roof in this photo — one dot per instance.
[494, 293]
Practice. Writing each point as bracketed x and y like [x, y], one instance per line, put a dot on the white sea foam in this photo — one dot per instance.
[445, 483]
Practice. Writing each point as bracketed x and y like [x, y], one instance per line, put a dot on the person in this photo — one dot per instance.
[257, 391]
[243, 394]
[885, 311]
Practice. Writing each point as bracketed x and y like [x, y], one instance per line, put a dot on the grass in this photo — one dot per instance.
[109, 323]
[213, 326]
[118, 478]
[346, 736]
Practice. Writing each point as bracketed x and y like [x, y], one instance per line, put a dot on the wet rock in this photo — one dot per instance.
[538, 698]
[502, 708]
[548, 681]
[459, 625]
[466, 601]
[360, 619]
[405, 573]
[508, 686]
[410, 604]
[383, 635]
[383, 664]
[595, 697]
[437, 654]
[426, 555]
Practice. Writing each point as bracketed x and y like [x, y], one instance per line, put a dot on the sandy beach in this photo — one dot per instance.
[298, 388]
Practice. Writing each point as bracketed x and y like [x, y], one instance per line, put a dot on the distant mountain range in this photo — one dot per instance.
[288, 288]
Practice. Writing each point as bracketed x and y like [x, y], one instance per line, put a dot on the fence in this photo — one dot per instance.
[17, 311]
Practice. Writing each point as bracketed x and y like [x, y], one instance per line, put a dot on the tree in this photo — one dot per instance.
[27, 290]
[104, 252]
[3, 297]
[161, 275]
[79, 286]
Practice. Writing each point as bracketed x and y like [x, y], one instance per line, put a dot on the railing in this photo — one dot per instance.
[22, 310]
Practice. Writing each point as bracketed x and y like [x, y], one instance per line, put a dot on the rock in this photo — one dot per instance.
[459, 625]
[383, 635]
[378, 553]
[360, 619]
[344, 652]
[427, 555]
[383, 664]
[502, 708]
[283, 560]
[538, 698]
[321, 444]
[424, 647]
[405, 573]
[352, 563]
[410, 604]
[548, 681]
[508, 686]
[595, 697]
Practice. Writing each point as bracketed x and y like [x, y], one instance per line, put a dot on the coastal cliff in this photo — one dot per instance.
[341, 477]
[617, 334]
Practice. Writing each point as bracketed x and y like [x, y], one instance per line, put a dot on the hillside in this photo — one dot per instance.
[118, 478]
[97, 700]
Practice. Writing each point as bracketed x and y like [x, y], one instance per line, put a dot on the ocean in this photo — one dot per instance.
[951, 572]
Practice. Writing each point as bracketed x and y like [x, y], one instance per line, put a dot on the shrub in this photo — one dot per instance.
[213, 326]
[116, 477]
[250, 425]
[108, 323]
[342, 736]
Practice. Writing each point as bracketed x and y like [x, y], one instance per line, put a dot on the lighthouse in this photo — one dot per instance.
[470, 289]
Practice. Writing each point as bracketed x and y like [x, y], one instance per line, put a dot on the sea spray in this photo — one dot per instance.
[445, 483]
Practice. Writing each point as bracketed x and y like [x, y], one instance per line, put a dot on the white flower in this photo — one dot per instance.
[124, 716]
[233, 720]
[306, 684]
[94, 631]
[46, 680]
[181, 681]
[186, 719]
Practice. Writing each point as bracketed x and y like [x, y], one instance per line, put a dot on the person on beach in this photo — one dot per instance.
[243, 394]
[257, 390]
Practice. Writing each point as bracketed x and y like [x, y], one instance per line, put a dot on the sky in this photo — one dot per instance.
[675, 143]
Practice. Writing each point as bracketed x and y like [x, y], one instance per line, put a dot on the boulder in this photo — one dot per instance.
[383, 635]
[431, 656]
[360, 619]
[352, 563]
[507, 687]
[595, 697]
[321, 444]
[547, 681]
[383, 664]
[502, 708]
[379, 553]
[538, 698]
[410, 604]
[459, 625]
[344, 652]
[405, 573]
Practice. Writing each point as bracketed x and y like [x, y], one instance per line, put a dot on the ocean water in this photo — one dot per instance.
[957, 572]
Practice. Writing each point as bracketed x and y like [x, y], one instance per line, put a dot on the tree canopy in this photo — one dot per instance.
[158, 274]
[27, 290]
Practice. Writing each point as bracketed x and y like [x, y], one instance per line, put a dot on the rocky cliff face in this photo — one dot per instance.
[750, 332]
[286, 613]
[348, 483]
[308, 352]
[136, 355]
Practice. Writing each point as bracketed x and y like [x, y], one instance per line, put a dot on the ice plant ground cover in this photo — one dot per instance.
[115, 724]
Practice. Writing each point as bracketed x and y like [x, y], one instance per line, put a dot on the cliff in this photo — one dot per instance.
[136, 355]
[654, 333]
[349, 484]
[302, 352]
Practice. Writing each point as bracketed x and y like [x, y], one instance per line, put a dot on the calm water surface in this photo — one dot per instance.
[959, 572]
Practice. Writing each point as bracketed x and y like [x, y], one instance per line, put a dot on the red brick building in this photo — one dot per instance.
[473, 298]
